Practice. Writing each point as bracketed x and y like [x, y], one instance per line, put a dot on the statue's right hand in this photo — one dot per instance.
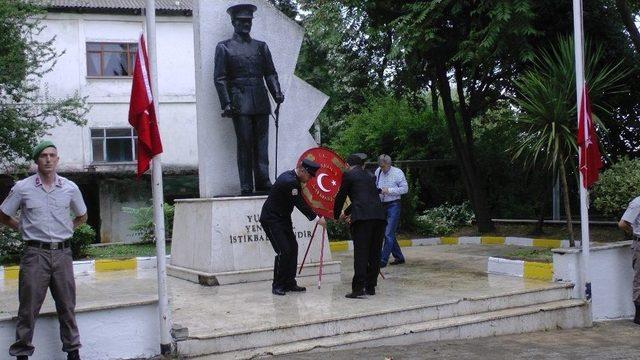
[228, 111]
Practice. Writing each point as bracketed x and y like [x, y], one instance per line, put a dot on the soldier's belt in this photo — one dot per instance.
[247, 81]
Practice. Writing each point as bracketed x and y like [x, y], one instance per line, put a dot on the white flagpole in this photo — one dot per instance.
[156, 179]
[578, 34]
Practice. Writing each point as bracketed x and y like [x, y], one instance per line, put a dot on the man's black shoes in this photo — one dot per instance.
[355, 294]
[397, 262]
[277, 291]
[295, 288]
[73, 355]
[370, 291]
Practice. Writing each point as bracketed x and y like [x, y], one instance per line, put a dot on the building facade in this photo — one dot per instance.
[99, 41]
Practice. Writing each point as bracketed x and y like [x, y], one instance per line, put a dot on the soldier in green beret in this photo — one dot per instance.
[46, 201]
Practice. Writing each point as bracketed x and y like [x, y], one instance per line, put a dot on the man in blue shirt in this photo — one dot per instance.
[391, 185]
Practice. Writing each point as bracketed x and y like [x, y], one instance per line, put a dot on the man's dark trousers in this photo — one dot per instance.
[42, 269]
[284, 243]
[367, 243]
[252, 133]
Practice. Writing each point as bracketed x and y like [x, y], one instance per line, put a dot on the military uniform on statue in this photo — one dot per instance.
[275, 219]
[242, 66]
[367, 219]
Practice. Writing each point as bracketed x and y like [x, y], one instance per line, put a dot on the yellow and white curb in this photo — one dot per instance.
[87, 267]
[520, 268]
[463, 240]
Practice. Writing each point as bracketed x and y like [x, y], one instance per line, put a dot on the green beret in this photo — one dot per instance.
[41, 146]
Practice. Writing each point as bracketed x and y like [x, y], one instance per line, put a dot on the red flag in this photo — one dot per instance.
[142, 115]
[590, 162]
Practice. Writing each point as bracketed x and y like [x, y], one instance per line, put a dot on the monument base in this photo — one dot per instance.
[330, 272]
[219, 241]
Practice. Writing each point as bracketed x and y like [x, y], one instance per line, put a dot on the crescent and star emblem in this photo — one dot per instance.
[319, 181]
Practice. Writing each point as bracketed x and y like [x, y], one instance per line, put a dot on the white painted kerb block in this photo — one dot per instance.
[501, 266]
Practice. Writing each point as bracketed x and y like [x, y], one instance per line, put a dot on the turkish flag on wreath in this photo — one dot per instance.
[142, 114]
[590, 161]
[320, 192]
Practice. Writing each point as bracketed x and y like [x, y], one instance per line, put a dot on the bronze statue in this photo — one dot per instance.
[242, 66]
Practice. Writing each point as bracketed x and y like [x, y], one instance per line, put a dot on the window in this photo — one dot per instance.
[114, 145]
[110, 59]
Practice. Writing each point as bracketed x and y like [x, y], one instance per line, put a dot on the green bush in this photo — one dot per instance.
[443, 220]
[338, 230]
[12, 246]
[83, 237]
[142, 226]
[616, 187]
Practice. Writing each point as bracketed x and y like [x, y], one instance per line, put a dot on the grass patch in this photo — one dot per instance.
[531, 254]
[124, 251]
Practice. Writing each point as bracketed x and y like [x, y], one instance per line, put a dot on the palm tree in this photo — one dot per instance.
[546, 99]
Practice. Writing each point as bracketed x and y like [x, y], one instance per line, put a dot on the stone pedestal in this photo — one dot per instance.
[218, 241]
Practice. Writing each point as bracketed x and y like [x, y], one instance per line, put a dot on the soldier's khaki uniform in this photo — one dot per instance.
[632, 216]
[46, 226]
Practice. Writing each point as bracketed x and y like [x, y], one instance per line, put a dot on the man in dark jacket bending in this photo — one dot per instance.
[275, 219]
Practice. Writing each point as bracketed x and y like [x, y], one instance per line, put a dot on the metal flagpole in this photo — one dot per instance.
[158, 213]
[578, 34]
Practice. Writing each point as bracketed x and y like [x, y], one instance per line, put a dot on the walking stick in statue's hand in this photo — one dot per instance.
[277, 121]
[308, 247]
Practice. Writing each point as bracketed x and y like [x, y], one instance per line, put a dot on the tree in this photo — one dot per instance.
[627, 18]
[27, 112]
[546, 95]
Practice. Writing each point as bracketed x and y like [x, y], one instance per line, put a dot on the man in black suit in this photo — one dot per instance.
[368, 220]
[275, 219]
[242, 66]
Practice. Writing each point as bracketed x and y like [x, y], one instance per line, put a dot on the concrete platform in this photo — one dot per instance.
[116, 313]
[441, 292]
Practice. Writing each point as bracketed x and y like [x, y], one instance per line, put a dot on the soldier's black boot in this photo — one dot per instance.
[637, 318]
[73, 355]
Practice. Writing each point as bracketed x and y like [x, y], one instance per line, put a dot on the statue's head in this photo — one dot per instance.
[242, 18]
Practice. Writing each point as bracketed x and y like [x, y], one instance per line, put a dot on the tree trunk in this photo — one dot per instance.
[475, 191]
[434, 97]
[629, 24]
[567, 204]
[464, 113]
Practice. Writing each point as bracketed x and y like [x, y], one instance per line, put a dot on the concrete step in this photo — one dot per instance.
[563, 314]
[252, 342]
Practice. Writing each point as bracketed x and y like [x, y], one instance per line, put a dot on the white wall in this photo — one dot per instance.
[118, 333]
[611, 278]
[109, 98]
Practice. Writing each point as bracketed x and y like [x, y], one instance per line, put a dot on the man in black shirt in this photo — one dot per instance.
[275, 219]
[368, 220]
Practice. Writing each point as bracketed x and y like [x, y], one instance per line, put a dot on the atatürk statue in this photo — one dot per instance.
[242, 66]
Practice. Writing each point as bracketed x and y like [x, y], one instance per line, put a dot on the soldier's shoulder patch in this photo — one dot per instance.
[294, 192]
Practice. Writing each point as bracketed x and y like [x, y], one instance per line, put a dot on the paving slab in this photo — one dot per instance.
[431, 275]
[95, 291]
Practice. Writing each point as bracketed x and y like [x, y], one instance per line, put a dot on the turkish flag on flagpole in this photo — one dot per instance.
[142, 115]
[590, 161]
